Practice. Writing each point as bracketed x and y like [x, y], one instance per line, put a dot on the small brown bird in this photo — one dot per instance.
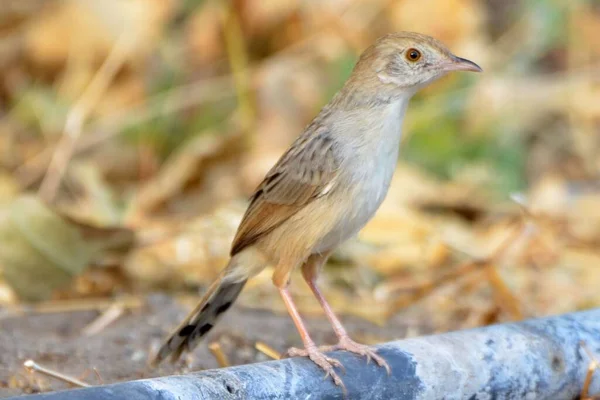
[324, 189]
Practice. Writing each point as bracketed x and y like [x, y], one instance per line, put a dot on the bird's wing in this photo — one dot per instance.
[305, 172]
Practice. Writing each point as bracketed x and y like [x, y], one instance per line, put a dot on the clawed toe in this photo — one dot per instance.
[327, 364]
[362, 350]
[296, 352]
[336, 363]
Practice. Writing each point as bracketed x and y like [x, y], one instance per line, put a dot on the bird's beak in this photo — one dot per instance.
[461, 64]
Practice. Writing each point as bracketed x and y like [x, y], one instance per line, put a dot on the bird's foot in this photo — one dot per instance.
[326, 363]
[350, 345]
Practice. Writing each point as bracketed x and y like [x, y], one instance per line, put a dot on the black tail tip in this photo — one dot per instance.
[163, 353]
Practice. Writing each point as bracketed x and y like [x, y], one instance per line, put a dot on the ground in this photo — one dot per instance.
[119, 352]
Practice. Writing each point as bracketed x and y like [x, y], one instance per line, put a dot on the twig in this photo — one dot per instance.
[505, 298]
[98, 376]
[267, 350]
[508, 300]
[62, 306]
[217, 352]
[420, 291]
[32, 366]
[110, 315]
[592, 366]
[238, 61]
[95, 371]
[78, 114]
[539, 219]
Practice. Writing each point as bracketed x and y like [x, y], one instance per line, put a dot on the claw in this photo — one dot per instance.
[362, 350]
[336, 363]
[324, 362]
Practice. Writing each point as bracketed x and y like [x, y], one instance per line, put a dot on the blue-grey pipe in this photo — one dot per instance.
[535, 359]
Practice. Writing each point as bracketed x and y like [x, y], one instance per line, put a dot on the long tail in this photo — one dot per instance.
[220, 296]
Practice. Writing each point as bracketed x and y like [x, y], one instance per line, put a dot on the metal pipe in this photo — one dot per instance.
[534, 359]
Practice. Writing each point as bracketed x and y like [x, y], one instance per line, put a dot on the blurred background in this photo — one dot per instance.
[132, 133]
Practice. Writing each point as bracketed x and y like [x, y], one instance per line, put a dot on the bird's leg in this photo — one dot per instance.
[310, 349]
[310, 271]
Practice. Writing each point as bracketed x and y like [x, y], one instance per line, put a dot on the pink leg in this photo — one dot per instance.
[310, 271]
[310, 349]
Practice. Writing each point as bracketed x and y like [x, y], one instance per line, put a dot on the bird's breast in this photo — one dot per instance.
[363, 180]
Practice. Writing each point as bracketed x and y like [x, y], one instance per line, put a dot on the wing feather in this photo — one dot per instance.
[304, 173]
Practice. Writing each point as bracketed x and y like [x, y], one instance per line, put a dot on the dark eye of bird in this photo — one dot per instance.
[413, 55]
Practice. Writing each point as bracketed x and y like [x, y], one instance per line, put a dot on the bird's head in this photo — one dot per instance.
[404, 62]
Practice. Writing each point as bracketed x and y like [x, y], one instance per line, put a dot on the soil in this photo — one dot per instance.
[120, 351]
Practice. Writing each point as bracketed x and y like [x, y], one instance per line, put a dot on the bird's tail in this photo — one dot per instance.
[220, 296]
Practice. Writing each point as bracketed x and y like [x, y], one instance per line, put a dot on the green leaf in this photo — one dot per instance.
[39, 250]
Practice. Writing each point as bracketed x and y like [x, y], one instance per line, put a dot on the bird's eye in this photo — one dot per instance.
[413, 55]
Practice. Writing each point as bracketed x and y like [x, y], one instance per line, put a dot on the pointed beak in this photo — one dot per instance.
[461, 64]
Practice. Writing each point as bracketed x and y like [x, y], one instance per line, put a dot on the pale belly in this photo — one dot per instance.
[363, 197]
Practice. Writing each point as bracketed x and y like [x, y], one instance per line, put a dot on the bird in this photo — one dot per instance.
[323, 190]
